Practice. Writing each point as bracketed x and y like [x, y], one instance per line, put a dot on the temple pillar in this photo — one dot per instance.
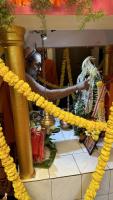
[108, 60]
[13, 40]
[108, 75]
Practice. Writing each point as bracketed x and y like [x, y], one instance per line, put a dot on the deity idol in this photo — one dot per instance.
[90, 103]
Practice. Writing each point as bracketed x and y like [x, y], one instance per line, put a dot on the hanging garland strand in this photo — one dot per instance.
[41, 7]
[24, 88]
[102, 160]
[10, 170]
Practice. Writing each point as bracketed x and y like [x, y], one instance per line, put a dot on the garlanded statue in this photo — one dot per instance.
[90, 103]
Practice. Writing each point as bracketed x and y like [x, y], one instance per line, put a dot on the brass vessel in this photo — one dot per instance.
[47, 122]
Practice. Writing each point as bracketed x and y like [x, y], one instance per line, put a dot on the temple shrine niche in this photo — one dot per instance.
[56, 101]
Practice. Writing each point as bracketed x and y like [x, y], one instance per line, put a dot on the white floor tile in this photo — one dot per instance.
[85, 162]
[63, 166]
[83, 148]
[57, 122]
[57, 137]
[68, 147]
[41, 174]
[69, 135]
[111, 196]
[40, 190]
[67, 188]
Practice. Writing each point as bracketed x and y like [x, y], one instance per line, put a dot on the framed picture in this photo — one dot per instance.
[90, 144]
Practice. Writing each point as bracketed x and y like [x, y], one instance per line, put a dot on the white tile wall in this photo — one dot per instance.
[41, 174]
[85, 162]
[67, 188]
[70, 175]
[105, 184]
[39, 190]
[111, 181]
[110, 162]
[103, 197]
[110, 196]
[86, 178]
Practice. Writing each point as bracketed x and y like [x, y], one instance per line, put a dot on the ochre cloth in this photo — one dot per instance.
[5, 110]
[49, 72]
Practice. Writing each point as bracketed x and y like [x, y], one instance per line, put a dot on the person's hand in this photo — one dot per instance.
[83, 86]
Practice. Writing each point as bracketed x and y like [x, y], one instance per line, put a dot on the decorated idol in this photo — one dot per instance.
[90, 103]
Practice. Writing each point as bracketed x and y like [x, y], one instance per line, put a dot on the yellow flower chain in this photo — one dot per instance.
[10, 170]
[24, 88]
[102, 160]
[99, 84]
[94, 134]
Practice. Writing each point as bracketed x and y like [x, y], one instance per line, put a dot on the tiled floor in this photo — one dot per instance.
[70, 174]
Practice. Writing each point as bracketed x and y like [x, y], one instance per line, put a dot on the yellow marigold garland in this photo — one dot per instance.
[102, 160]
[10, 170]
[23, 88]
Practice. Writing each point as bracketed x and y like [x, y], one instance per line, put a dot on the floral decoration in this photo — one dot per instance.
[58, 2]
[21, 2]
[24, 88]
[10, 170]
[6, 13]
[82, 7]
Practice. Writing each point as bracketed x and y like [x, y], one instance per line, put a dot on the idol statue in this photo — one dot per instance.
[87, 103]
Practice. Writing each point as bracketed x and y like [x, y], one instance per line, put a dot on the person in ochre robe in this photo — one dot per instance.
[33, 69]
[49, 72]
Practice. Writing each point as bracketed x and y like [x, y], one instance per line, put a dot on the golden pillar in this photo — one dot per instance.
[13, 40]
[108, 64]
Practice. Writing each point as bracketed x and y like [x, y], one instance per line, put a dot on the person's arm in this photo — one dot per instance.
[55, 93]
